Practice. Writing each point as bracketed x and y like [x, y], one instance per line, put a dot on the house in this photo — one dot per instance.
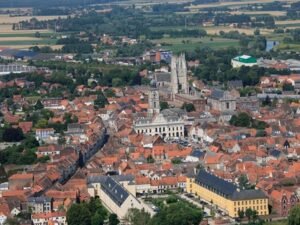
[39, 204]
[222, 101]
[4, 213]
[49, 218]
[20, 181]
[43, 133]
[115, 197]
[25, 126]
[195, 156]
[283, 200]
[226, 195]
[49, 150]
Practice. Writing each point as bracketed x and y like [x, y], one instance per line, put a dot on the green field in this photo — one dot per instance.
[288, 47]
[43, 35]
[29, 42]
[189, 44]
[279, 222]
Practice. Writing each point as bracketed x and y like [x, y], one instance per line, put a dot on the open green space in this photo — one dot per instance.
[177, 28]
[43, 35]
[279, 222]
[288, 47]
[190, 44]
[30, 42]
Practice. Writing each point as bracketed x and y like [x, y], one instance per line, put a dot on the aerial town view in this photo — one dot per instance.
[150, 112]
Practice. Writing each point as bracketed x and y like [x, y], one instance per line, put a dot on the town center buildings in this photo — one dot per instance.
[226, 195]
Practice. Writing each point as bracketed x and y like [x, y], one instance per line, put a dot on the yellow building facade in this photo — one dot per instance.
[226, 195]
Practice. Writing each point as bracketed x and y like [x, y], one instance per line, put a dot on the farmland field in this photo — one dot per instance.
[6, 19]
[272, 13]
[215, 30]
[234, 3]
[189, 44]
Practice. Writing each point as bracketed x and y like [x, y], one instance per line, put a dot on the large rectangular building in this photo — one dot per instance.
[226, 195]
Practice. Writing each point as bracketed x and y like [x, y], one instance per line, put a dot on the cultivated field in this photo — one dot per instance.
[6, 19]
[7, 29]
[234, 3]
[215, 30]
[287, 22]
[189, 44]
[272, 13]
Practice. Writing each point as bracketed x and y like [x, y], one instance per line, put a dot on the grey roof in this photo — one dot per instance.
[276, 153]
[197, 153]
[115, 191]
[118, 178]
[225, 188]
[173, 112]
[163, 77]
[235, 84]
[217, 94]
[41, 199]
[248, 194]
[215, 184]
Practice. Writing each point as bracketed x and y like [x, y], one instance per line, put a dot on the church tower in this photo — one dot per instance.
[179, 80]
[153, 99]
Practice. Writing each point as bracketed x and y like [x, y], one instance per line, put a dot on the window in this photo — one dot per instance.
[227, 105]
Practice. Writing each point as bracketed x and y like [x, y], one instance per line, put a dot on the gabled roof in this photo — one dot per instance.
[225, 188]
[115, 191]
[215, 183]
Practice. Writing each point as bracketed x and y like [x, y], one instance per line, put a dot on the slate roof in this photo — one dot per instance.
[217, 94]
[276, 153]
[114, 190]
[248, 195]
[235, 84]
[215, 184]
[163, 77]
[225, 188]
[197, 153]
[41, 199]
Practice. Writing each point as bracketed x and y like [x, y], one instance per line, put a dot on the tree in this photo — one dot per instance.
[164, 105]
[38, 105]
[97, 219]
[241, 214]
[116, 82]
[189, 107]
[113, 219]
[266, 101]
[12, 135]
[79, 214]
[150, 159]
[287, 87]
[138, 217]
[249, 213]
[37, 34]
[294, 216]
[243, 182]
[101, 101]
[11, 221]
[185, 214]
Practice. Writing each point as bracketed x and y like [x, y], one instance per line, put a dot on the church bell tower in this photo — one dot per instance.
[153, 99]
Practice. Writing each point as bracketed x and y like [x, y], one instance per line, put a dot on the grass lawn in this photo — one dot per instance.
[279, 222]
[29, 42]
[288, 47]
[43, 35]
[189, 44]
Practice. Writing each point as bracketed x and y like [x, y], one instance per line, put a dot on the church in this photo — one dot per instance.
[167, 123]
